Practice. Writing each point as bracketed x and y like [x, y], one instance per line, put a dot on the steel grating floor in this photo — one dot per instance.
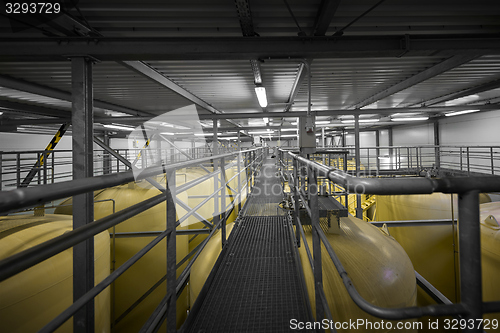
[258, 286]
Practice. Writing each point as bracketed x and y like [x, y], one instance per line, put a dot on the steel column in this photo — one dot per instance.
[357, 152]
[436, 144]
[215, 151]
[312, 188]
[223, 199]
[470, 257]
[106, 163]
[171, 253]
[83, 204]
[377, 144]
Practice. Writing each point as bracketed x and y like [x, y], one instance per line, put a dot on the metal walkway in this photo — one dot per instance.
[258, 286]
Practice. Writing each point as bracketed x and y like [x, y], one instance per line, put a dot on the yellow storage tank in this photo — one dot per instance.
[32, 298]
[490, 251]
[151, 268]
[378, 266]
[206, 260]
[422, 243]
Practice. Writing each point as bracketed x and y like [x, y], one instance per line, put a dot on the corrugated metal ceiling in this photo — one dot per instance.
[337, 84]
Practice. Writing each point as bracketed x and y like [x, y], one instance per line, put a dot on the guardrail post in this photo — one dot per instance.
[239, 178]
[83, 204]
[468, 162]
[312, 187]
[470, 257]
[171, 253]
[492, 161]
[18, 170]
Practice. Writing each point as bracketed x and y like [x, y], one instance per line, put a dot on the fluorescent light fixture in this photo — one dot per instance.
[261, 132]
[266, 120]
[119, 127]
[410, 118]
[289, 135]
[288, 129]
[168, 133]
[456, 113]
[294, 123]
[261, 96]
[203, 134]
[351, 121]
[1, 113]
[229, 138]
[173, 126]
[322, 122]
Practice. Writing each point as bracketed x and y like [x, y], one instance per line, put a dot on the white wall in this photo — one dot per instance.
[26, 141]
[471, 129]
[366, 139]
[413, 135]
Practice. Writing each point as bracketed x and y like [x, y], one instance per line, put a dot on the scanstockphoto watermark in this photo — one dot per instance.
[358, 324]
[383, 325]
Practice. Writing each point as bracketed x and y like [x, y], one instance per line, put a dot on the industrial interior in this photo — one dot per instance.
[250, 166]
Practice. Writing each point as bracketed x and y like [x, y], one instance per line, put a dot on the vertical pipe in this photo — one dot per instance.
[470, 257]
[215, 152]
[377, 144]
[492, 163]
[437, 153]
[296, 200]
[52, 174]
[391, 151]
[171, 253]
[83, 204]
[106, 169]
[312, 187]
[18, 170]
[223, 198]
[359, 210]
[468, 162]
[1, 169]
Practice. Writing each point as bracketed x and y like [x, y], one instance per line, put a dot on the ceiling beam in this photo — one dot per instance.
[424, 75]
[37, 89]
[326, 12]
[237, 48]
[158, 77]
[463, 93]
[32, 109]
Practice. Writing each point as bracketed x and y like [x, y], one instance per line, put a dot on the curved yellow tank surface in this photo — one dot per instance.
[146, 272]
[378, 266]
[32, 298]
[425, 242]
[490, 251]
[206, 260]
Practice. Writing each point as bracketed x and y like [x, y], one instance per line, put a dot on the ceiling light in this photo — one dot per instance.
[261, 96]
[410, 118]
[168, 133]
[294, 123]
[119, 127]
[289, 135]
[266, 120]
[203, 134]
[322, 122]
[1, 113]
[351, 121]
[261, 132]
[288, 129]
[456, 113]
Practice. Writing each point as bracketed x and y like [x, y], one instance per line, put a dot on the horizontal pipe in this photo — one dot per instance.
[15, 200]
[403, 185]
[413, 223]
[156, 233]
[38, 253]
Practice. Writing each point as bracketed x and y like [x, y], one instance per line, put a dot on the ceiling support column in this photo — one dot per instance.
[83, 204]
[359, 210]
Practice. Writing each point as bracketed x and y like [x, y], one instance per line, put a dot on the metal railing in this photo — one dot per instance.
[56, 165]
[463, 160]
[246, 162]
[303, 182]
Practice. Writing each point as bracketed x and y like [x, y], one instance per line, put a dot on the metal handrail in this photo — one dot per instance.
[26, 197]
[467, 187]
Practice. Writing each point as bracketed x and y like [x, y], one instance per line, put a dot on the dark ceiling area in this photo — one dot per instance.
[379, 59]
